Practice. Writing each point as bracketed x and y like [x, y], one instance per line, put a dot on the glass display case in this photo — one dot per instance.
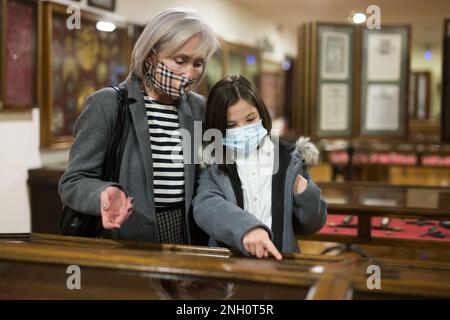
[363, 212]
[144, 271]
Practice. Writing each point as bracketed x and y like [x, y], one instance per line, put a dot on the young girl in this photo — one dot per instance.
[253, 202]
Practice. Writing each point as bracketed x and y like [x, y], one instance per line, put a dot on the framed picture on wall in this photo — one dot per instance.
[272, 87]
[383, 107]
[334, 111]
[384, 56]
[241, 59]
[384, 81]
[19, 54]
[77, 63]
[445, 110]
[233, 58]
[333, 92]
[109, 5]
[334, 55]
[419, 95]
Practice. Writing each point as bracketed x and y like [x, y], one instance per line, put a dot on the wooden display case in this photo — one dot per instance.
[394, 161]
[133, 270]
[369, 200]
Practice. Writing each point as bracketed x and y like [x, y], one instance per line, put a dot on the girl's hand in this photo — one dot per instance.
[116, 207]
[257, 243]
[300, 184]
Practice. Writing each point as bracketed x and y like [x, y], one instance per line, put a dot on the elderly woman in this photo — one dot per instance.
[152, 200]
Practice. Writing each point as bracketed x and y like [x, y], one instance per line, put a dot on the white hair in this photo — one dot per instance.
[168, 32]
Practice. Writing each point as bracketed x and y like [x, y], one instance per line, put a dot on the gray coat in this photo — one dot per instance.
[80, 186]
[216, 210]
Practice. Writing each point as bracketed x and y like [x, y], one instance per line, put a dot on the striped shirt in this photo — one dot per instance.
[167, 153]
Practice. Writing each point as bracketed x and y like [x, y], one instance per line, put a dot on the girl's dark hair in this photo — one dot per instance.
[226, 93]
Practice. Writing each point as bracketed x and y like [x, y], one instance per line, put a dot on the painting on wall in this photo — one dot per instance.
[334, 80]
[384, 81]
[80, 62]
[19, 49]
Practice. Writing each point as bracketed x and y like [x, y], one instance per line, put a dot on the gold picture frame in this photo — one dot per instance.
[75, 64]
[445, 112]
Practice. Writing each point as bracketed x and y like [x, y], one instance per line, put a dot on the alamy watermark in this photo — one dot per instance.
[373, 21]
[74, 20]
[374, 280]
[74, 280]
[373, 17]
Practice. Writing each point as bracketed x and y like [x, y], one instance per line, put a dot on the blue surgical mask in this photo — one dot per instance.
[245, 139]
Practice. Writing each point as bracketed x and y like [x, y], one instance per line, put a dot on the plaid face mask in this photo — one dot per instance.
[165, 80]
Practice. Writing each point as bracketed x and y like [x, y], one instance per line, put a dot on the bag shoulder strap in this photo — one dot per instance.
[113, 159]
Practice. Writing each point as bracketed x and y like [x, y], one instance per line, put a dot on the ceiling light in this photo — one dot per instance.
[359, 18]
[105, 26]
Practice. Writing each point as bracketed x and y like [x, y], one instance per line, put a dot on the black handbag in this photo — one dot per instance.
[74, 223]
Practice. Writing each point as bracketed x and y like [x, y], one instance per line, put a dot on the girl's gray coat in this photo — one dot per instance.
[216, 210]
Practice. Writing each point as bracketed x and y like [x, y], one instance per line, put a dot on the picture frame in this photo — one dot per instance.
[383, 107]
[242, 59]
[301, 120]
[419, 95]
[334, 53]
[272, 88]
[76, 64]
[445, 104]
[333, 92]
[333, 107]
[233, 58]
[109, 5]
[19, 55]
[385, 56]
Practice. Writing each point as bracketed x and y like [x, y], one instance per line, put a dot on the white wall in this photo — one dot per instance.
[19, 145]
[226, 18]
[19, 134]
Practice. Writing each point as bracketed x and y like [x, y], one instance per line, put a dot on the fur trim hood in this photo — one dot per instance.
[307, 150]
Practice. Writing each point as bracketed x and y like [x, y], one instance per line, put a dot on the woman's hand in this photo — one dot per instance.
[300, 184]
[257, 243]
[116, 207]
